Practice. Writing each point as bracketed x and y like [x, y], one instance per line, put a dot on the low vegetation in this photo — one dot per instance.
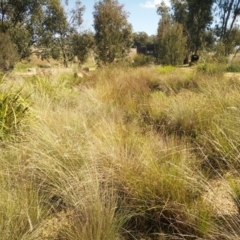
[125, 153]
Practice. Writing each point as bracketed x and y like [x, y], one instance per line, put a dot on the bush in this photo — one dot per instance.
[8, 56]
[233, 68]
[210, 69]
[143, 60]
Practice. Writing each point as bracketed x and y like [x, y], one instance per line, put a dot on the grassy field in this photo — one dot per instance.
[122, 153]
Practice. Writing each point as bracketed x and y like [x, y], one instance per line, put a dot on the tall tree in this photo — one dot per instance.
[82, 44]
[199, 18]
[113, 33]
[171, 40]
[43, 24]
[62, 28]
[196, 17]
[227, 11]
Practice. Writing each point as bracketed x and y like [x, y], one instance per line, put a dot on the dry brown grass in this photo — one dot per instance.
[124, 154]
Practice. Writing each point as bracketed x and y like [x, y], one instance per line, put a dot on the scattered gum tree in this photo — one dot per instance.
[199, 19]
[113, 33]
[28, 22]
[227, 13]
[82, 45]
[42, 24]
[195, 17]
[171, 41]
[68, 30]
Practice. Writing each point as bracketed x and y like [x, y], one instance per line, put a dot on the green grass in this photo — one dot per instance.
[166, 69]
[125, 153]
[210, 68]
[23, 66]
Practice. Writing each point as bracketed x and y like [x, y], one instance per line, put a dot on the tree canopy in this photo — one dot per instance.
[141, 39]
[226, 13]
[113, 32]
[42, 24]
[47, 29]
[170, 38]
[196, 17]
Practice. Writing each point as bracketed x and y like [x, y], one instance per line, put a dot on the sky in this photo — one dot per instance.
[142, 14]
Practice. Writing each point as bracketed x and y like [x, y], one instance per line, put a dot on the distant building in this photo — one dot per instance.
[149, 49]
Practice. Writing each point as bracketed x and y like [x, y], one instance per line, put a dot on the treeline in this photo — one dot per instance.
[46, 28]
[189, 26]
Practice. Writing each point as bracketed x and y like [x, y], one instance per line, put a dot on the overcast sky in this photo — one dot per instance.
[142, 14]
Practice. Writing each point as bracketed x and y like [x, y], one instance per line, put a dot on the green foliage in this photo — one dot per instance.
[199, 18]
[195, 16]
[171, 43]
[81, 45]
[23, 66]
[170, 39]
[43, 24]
[21, 36]
[26, 21]
[8, 50]
[233, 67]
[210, 68]
[225, 29]
[141, 39]
[166, 69]
[113, 33]
[143, 60]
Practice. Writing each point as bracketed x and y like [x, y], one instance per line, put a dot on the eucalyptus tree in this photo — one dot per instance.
[39, 24]
[170, 38]
[60, 27]
[82, 45]
[226, 15]
[113, 33]
[140, 39]
[196, 18]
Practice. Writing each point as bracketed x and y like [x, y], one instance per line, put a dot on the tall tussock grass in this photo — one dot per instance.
[128, 153]
[13, 111]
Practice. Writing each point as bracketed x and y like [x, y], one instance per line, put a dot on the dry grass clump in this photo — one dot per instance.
[119, 159]
[207, 116]
[211, 69]
[183, 114]
[13, 111]
[20, 204]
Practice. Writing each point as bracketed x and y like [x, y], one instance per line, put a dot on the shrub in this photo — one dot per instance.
[210, 69]
[171, 42]
[143, 60]
[233, 68]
